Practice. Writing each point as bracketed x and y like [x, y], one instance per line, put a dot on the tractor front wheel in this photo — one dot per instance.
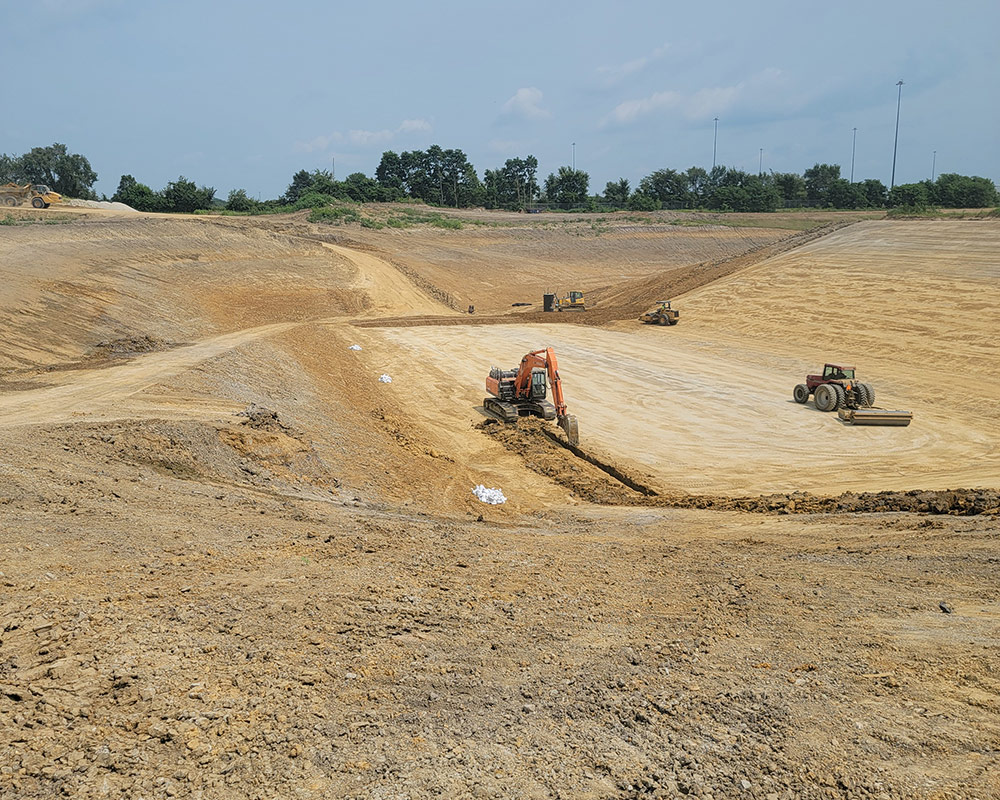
[801, 393]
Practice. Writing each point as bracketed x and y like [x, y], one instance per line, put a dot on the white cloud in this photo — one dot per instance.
[618, 73]
[631, 110]
[508, 147]
[526, 103]
[764, 89]
[362, 138]
[412, 125]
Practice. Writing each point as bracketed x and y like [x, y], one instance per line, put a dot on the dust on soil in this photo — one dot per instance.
[242, 567]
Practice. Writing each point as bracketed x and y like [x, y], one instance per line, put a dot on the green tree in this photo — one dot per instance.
[67, 173]
[961, 191]
[138, 195]
[639, 201]
[910, 195]
[792, 188]
[301, 183]
[735, 190]
[512, 186]
[361, 189]
[841, 193]
[616, 193]
[9, 169]
[701, 184]
[819, 178]
[667, 187]
[876, 194]
[390, 173]
[184, 197]
[238, 201]
[568, 187]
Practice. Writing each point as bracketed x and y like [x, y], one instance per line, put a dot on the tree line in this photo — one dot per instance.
[445, 177]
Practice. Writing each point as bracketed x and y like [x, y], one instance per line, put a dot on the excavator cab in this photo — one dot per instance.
[538, 381]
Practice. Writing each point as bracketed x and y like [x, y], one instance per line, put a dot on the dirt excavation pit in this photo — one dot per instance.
[234, 565]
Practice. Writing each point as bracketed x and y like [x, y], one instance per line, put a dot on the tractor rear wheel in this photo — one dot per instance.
[800, 393]
[840, 394]
[869, 394]
[825, 398]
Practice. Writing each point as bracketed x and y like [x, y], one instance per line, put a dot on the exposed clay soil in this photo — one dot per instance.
[233, 564]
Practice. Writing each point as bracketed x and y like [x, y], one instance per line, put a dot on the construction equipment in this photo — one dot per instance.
[572, 302]
[663, 314]
[875, 416]
[838, 390]
[40, 195]
[521, 392]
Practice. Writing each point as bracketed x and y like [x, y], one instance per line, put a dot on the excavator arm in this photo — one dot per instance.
[546, 359]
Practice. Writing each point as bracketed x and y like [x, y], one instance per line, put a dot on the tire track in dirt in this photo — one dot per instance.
[122, 391]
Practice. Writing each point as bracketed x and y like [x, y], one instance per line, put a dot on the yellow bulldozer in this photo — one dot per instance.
[40, 195]
[572, 302]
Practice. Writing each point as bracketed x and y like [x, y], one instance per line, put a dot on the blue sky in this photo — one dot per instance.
[243, 94]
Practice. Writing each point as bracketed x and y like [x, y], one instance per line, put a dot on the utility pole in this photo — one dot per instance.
[333, 173]
[899, 96]
[854, 148]
[933, 166]
[574, 156]
[760, 163]
[715, 142]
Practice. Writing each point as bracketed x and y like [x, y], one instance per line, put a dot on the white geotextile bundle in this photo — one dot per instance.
[354, 347]
[492, 496]
[385, 379]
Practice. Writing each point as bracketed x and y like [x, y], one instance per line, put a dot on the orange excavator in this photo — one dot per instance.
[521, 392]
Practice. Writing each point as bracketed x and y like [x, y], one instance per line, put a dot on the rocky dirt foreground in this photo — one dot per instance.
[263, 634]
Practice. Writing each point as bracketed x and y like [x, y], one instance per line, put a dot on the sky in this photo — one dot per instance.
[244, 94]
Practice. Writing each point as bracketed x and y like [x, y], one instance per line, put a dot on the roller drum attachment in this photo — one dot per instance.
[876, 416]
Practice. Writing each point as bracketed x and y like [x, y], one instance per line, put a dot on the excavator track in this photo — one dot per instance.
[506, 411]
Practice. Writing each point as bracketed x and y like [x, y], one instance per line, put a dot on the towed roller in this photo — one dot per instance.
[876, 416]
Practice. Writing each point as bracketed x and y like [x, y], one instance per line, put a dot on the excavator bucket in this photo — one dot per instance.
[876, 416]
[568, 424]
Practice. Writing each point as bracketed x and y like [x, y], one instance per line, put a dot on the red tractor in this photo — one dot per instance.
[835, 389]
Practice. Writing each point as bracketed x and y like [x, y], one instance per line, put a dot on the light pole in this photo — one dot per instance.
[574, 156]
[760, 163]
[899, 96]
[933, 166]
[715, 142]
[854, 148]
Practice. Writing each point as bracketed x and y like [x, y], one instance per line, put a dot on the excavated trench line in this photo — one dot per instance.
[545, 451]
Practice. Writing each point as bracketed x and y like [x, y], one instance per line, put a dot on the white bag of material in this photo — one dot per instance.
[492, 496]
[385, 379]
[354, 347]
